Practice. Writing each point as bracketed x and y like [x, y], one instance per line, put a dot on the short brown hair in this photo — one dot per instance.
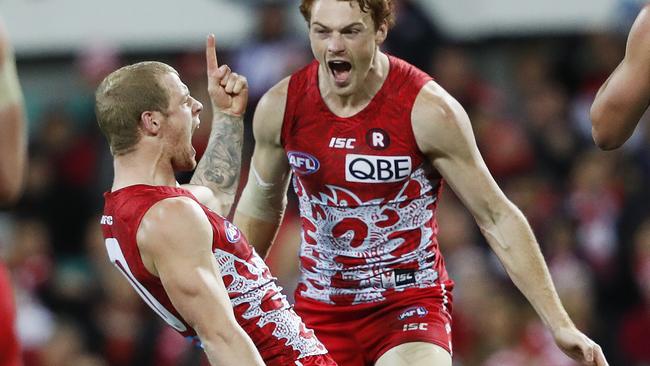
[381, 11]
[123, 96]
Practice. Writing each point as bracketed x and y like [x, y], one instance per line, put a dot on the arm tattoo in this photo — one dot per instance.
[220, 165]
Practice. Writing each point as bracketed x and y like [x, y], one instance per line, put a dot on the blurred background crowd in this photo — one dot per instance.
[528, 97]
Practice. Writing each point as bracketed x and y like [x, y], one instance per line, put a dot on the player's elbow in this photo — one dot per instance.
[492, 209]
[219, 337]
[231, 346]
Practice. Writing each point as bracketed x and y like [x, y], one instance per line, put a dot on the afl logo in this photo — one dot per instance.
[303, 163]
[419, 311]
[377, 139]
[232, 233]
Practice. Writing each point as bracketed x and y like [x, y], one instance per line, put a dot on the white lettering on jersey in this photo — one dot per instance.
[106, 220]
[303, 163]
[376, 169]
[342, 143]
[117, 257]
[415, 326]
[378, 139]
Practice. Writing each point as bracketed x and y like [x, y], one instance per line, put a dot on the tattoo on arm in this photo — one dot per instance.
[220, 165]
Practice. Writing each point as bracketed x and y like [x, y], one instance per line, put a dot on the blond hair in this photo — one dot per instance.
[124, 95]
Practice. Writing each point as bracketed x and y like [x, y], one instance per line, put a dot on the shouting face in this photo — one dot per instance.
[345, 41]
[180, 121]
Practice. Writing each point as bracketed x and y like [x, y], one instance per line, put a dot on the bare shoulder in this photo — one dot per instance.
[278, 92]
[269, 114]
[203, 194]
[173, 224]
[432, 101]
[437, 118]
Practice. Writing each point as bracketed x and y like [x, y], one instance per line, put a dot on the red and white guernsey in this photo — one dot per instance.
[259, 307]
[367, 193]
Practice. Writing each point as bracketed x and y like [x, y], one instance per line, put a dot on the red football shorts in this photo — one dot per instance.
[357, 335]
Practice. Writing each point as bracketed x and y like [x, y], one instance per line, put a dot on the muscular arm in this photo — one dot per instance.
[175, 239]
[444, 133]
[13, 141]
[624, 97]
[261, 206]
[220, 166]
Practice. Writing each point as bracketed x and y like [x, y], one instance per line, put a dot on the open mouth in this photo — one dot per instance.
[340, 71]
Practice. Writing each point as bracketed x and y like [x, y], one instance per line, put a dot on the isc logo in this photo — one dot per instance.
[415, 326]
[342, 143]
[404, 278]
[376, 169]
[303, 163]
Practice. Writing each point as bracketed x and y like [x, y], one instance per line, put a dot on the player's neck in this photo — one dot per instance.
[351, 104]
[145, 165]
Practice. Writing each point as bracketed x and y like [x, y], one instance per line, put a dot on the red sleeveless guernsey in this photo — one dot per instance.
[259, 307]
[367, 194]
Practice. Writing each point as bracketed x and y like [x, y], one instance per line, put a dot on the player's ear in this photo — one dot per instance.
[150, 122]
[382, 32]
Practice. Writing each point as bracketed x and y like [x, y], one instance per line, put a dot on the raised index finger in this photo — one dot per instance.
[211, 54]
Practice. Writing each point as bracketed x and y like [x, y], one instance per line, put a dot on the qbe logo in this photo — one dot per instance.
[376, 169]
[303, 163]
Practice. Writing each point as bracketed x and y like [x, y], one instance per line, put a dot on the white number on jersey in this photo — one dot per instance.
[117, 257]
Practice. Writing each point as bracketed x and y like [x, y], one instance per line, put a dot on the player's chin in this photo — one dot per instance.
[191, 163]
[186, 163]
